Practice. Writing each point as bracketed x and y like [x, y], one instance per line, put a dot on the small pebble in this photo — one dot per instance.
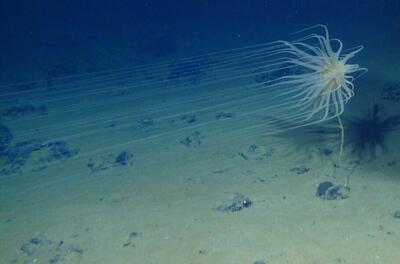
[123, 158]
[135, 234]
[323, 188]
[301, 169]
[396, 214]
[35, 241]
[25, 248]
[237, 203]
[193, 140]
[328, 191]
[327, 151]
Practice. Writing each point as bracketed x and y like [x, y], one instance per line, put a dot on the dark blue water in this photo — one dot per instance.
[49, 32]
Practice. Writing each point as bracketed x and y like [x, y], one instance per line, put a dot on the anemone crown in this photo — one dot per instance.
[325, 83]
[335, 72]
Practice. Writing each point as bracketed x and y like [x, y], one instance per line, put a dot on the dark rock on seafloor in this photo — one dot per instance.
[59, 150]
[396, 214]
[17, 155]
[235, 204]
[123, 158]
[328, 191]
[327, 151]
[256, 152]
[105, 162]
[193, 140]
[323, 188]
[49, 250]
[300, 169]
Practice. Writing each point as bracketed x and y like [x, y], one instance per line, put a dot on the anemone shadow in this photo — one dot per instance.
[365, 135]
[307, 142]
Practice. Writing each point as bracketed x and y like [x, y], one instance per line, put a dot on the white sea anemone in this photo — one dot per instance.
[324, 79]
